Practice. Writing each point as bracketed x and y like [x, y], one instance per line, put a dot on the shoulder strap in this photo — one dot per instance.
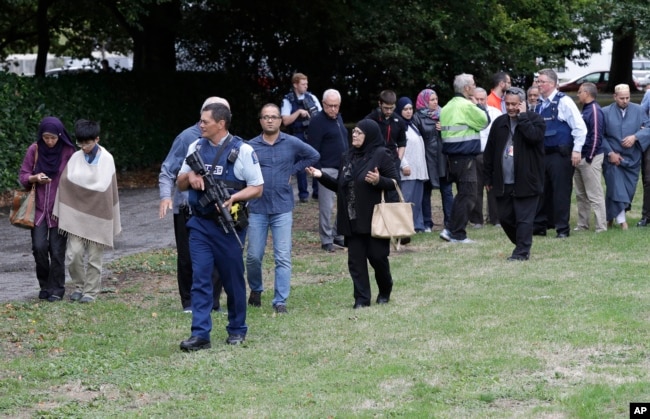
[222, 148]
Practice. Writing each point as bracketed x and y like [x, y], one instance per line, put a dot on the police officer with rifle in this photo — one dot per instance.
[221, 173]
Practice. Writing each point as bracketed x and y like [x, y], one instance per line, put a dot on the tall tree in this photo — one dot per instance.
[628, 24]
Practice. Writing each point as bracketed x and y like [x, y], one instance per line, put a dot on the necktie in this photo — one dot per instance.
[545, 104]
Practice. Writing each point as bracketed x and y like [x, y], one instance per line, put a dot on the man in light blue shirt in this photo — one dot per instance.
[280, 155]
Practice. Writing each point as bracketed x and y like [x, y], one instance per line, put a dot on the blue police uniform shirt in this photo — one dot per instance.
[247, 167]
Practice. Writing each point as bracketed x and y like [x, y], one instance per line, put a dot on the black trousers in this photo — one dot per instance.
[362, 248]
[517, 216]
[184, 264]
[48, 248]
[462, 171]
[554, 209]
[476, 215]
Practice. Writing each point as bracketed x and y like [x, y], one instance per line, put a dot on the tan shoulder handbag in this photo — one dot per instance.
[392, 220]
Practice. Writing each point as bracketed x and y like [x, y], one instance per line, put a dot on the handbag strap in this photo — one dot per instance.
[35, 158]
[34, 167]
[399, 193]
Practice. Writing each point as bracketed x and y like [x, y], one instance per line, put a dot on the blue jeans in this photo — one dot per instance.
[258, 230]
[412, 191]
[447, 195]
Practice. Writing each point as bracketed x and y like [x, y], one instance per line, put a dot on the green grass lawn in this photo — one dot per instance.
[466, 335]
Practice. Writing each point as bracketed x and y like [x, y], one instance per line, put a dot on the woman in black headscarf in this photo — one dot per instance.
[42, 166]
[365, 170]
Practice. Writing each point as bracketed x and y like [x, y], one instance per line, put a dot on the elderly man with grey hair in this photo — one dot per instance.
[514, 170]
[328, 135]
[461, 121]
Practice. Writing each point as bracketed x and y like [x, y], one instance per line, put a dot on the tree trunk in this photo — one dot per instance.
[622, 55]
[154, 47]
[43, 28]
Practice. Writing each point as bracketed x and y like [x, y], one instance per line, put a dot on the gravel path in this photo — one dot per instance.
[142, 230]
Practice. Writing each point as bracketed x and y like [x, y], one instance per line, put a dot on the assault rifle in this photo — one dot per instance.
[215, 192]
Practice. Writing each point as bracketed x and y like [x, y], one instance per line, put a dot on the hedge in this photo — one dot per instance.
[140, 114]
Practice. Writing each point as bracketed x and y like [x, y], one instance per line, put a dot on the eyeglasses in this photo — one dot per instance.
[270, 117]
[357, 131]
[85, 145]
[332, 105]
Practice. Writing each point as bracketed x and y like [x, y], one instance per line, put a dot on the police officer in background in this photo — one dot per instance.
[228, 159]
[298, 106]
[566, 132]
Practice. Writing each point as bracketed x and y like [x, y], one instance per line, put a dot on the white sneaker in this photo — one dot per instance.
[465, 241]
[427, 230]
[444, 234]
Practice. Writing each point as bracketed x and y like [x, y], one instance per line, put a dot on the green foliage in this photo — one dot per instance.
[20, 111]
[140, 114]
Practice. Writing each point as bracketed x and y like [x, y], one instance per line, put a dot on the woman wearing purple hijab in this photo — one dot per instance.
[427, 120]
[42, 166]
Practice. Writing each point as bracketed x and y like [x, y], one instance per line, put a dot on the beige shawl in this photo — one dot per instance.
[87, 202]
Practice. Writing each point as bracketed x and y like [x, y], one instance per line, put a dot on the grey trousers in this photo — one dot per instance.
[326, 202]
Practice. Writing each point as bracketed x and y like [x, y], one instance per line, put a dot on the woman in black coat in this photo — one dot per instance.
[366, 169]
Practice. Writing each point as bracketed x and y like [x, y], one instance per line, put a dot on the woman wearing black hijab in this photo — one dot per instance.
[366, 169]
[42, 166]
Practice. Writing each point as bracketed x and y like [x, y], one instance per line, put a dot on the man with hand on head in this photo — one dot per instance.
[514, 170]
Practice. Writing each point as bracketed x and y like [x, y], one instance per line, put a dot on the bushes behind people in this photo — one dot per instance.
[140, 114]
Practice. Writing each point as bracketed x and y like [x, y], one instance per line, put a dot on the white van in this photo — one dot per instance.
[640, 68]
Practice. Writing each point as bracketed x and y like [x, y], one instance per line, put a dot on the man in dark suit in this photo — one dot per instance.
[514, 170]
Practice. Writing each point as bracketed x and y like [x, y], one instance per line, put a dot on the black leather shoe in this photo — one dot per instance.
[329, 248]
[562, 235]
[43, 295]
[195, 343]
[339, 243]
[382, 300]
[255, 299]
[643, 222]
[405, 240]
[360, 305]
[517, 258]
[539, 232]
[235, 339]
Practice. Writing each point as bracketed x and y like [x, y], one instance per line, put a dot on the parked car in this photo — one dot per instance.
[55, 72]
[641, 68]
[644, 82]
[599, 78]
